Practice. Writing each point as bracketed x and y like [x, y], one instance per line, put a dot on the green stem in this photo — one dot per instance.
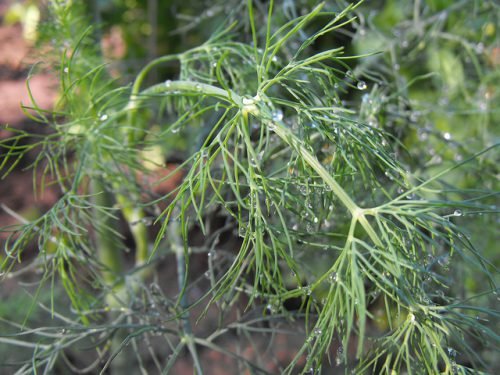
[134, 101]
[108, 249]
[110, 258]
[134, 217]
[178, 248]
[263, 112]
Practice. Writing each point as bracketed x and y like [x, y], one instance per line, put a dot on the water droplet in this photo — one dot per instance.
[278, 115]
[248, 101]
[333, 277]
[444, 261]
[175, 130]
[396, 67]
[274, 59]
[457, 213]
[330, 207]
[315, 219]
[361, 85]
[198, 87]
[168, 83]
[414, 116]
[444, 101]
[66, 70]
[447, 136]
[422, 134]
[349, 73]
[389, 175]
[242, 231]
[452, 353]
[411, 317]
[214, 65]
[340, 355]
[307, 290]
[104, 117]
[317, 331]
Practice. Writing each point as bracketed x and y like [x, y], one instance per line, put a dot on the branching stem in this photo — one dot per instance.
[264, 113]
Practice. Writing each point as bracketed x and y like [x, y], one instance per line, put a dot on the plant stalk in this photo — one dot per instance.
[264, 113]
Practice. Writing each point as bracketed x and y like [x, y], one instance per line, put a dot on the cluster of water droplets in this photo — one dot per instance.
[333, 277]
[339, 358]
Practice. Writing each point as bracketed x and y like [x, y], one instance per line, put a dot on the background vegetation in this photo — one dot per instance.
[315, 178]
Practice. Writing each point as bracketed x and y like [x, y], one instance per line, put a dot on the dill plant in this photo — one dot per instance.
[320, 212]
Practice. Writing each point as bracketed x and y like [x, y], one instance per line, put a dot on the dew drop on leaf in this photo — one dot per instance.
[361, 85]
[168, 83]
[278, 115]
[333, 277]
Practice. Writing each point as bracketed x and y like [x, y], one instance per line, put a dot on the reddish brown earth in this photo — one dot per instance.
[16, 58]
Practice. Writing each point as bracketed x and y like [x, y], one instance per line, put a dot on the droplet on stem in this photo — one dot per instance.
[248, 101]
[278, 115]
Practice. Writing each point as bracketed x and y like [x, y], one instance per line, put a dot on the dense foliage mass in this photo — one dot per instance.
[320, 170]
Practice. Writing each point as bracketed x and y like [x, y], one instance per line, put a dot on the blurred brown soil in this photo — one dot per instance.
[16, 58]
